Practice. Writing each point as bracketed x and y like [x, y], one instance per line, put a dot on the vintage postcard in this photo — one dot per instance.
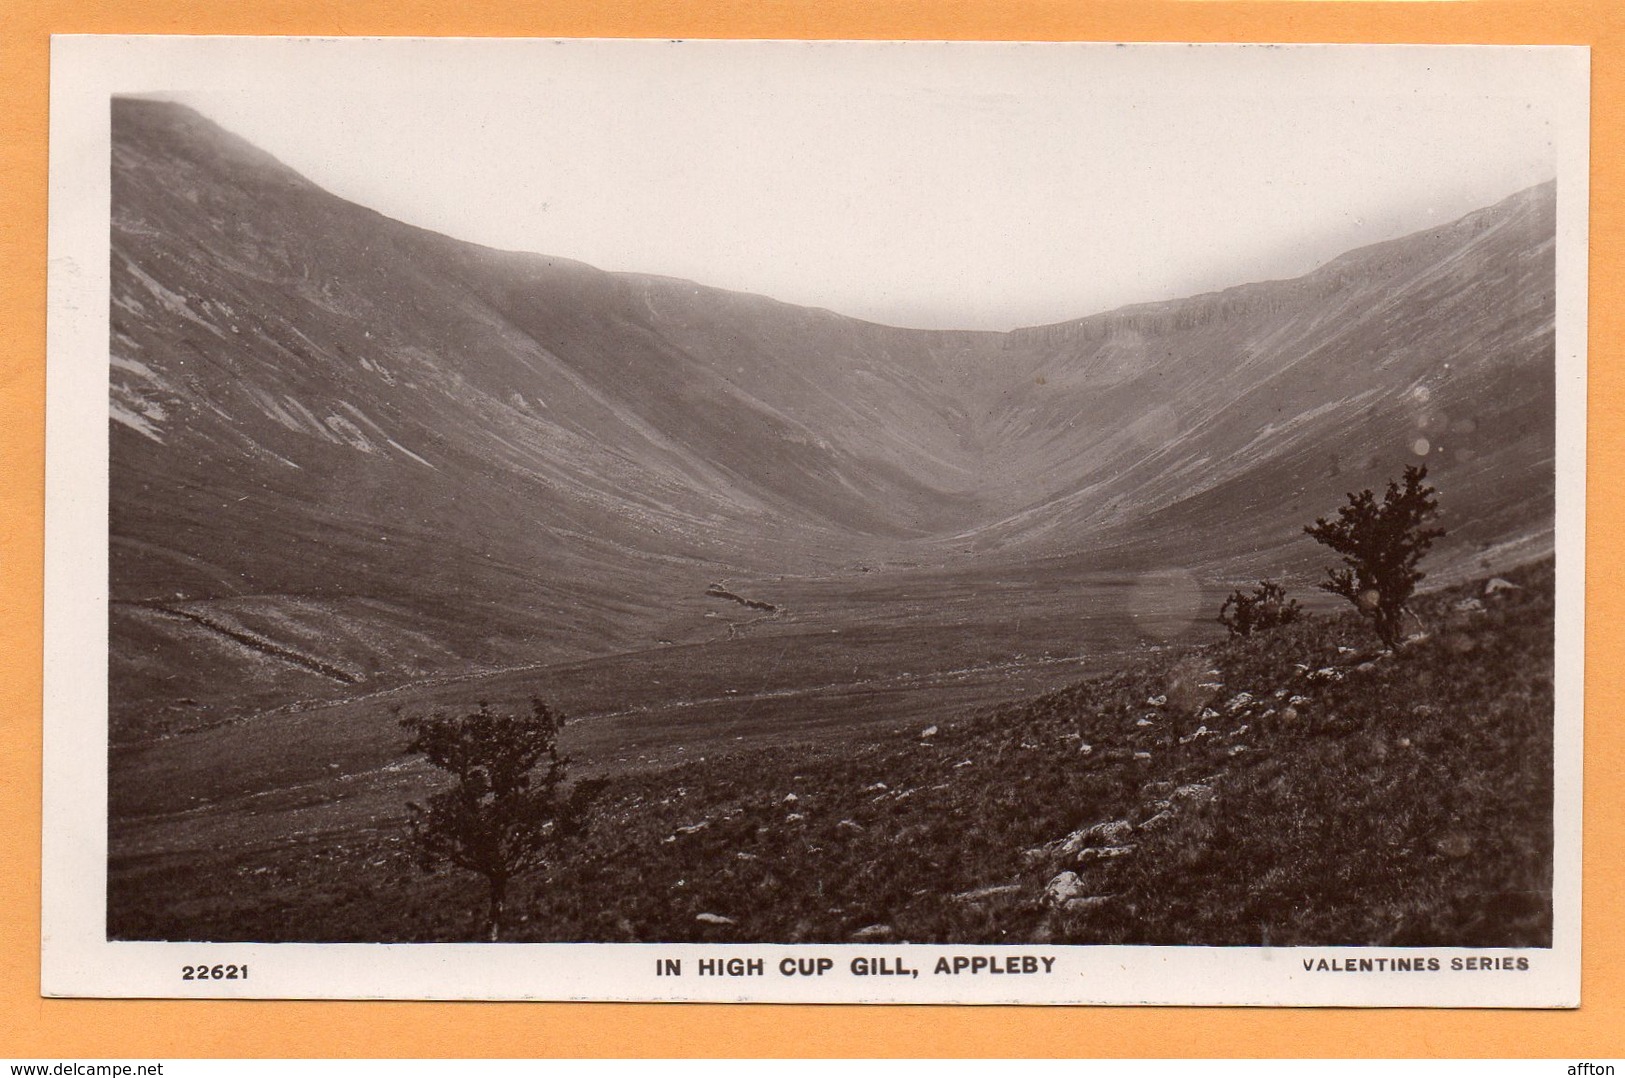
[815, 521]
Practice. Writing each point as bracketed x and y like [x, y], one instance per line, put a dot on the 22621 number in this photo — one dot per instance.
[215, 973]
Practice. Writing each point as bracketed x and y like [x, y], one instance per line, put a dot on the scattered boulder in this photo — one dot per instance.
[879, 787]
[1200, 792]
[1157, 789]
[1156, 701]
[1208, 713]
[1496, 584]
[983, 894]
[874, 932]
[794, 817]
[1200, 731]
[1143, 756]
[1103, 853]
[714, 919]
[1237, 750]
[929, 731]
[1326, 673]
[1470, 606]
[790, 799]
[1297, 701]
[1111, 832]
[1161, 819]
[1146, 721]
[1085, 902]
[1238, 701]
[691, 829]
[850, 825]
[1365, 668]
[1063, 888]
[1086, 748]
[1037, 855]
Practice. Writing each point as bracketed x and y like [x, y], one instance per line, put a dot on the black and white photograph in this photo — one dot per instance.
[834, 521]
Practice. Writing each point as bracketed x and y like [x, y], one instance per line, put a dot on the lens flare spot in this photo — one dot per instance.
[1422, 393]
[1156, 429]
[1421, 447]
[1165, 604]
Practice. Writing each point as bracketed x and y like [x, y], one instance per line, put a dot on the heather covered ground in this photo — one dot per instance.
[1297, 787]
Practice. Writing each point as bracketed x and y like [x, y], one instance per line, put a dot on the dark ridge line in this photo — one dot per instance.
[257, 643]
[717, 591]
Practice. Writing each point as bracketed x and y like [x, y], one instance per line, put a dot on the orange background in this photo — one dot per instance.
[42, 1028]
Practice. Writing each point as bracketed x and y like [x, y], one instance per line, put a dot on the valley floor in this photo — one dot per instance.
[1294, 788]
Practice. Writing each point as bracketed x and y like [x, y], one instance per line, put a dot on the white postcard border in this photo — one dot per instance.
[78, 960]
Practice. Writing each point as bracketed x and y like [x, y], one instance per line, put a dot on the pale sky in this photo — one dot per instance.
[934, 185]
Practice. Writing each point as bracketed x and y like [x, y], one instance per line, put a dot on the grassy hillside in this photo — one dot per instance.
[1297, 788]
[349, 456]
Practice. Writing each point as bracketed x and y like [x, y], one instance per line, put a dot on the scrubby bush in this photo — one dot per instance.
[1266, 608]
[1381, 544]
[508, 811]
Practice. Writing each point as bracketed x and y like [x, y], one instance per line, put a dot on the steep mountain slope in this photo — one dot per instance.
[341, 444]
[1223, 414]
[347, 452]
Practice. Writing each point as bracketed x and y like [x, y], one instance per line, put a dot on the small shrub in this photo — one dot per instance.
[1381, 544]
[1266, 608]
[507, 812]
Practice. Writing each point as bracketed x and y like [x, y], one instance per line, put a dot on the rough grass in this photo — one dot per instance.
[1406, 801]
